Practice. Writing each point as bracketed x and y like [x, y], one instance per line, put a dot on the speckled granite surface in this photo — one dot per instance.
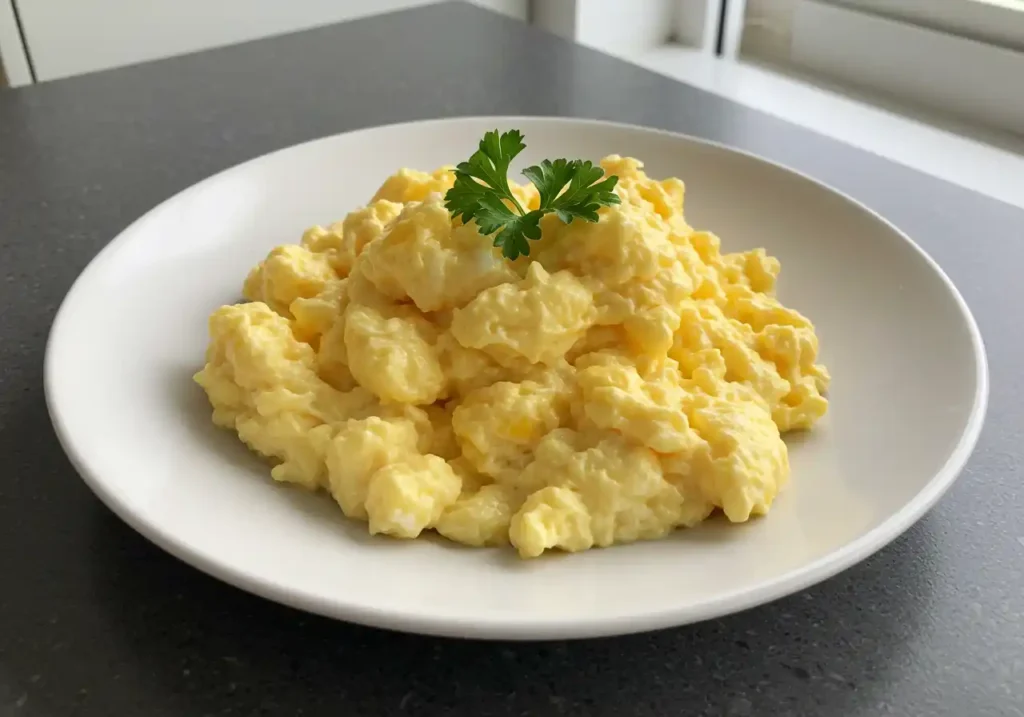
[94, 621]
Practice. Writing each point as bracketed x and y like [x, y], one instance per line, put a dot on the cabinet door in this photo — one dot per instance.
[69, 37]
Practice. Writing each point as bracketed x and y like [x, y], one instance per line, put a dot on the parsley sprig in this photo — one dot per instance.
[572, 189]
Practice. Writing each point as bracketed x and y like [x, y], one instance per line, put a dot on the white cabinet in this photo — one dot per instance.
[69, 37]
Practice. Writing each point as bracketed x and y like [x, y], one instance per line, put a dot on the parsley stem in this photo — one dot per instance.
[522, 212]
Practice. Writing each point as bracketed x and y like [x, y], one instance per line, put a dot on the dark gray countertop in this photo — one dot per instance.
[95, 621]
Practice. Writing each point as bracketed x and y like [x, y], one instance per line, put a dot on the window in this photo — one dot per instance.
[959, 59]
[1000, 22]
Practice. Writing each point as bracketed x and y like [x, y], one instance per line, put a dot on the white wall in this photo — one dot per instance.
[69, 37]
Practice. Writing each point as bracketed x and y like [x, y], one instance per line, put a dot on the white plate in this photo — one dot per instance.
[907, 401]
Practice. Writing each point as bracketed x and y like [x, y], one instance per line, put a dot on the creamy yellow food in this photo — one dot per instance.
[625, 379]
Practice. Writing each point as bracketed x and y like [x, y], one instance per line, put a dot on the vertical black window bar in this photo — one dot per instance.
[720, 35]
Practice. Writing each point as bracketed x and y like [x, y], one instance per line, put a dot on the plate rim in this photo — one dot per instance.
[513, 627]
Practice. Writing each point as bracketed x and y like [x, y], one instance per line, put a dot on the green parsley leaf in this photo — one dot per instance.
[484, 175]
[584, 195]
[572, 189]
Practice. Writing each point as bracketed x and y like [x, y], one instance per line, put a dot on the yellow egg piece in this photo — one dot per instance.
[537, 319]
[406, 497]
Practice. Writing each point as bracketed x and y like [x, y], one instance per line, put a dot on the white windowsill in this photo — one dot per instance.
[957, 158]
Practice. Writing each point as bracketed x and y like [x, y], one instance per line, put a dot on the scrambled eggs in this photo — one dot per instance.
[625, 379]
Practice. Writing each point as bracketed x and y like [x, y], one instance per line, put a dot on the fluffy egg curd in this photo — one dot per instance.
[625, 379]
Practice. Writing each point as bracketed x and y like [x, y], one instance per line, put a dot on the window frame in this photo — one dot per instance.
[961, 77]
[997, 22]
[843, 43]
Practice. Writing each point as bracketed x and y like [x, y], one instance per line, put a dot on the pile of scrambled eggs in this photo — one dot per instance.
[624, 379]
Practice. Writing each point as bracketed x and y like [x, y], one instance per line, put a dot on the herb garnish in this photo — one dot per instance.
[481, 191]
